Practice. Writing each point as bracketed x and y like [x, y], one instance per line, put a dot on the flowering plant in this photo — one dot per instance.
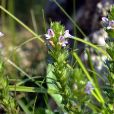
[61, 36]
[76, 86]
[67, 84]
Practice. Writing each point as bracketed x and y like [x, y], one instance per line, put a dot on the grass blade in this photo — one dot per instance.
[98, 96]
[21, 23]
[26, 89]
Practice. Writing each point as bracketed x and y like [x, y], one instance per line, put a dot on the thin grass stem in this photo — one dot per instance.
[22, 24]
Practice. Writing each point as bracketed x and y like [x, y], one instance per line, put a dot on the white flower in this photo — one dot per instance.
[1, 34]
[107, 23]
[49, 34]
[67, 34]
[62, 41]
[89, 87]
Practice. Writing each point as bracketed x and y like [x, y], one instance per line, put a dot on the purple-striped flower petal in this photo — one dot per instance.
[50, 34]
[62, 41]
[67, 34]
[104, 19]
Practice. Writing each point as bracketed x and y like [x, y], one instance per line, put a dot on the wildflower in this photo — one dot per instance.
[62, 41]
[67, 34]
[107, 23]
[1, 34]
[89, 87]
[49, 34]
[104, 19]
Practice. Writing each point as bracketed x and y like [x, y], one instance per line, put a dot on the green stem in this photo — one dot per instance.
[74, 23]
[3, 19]
[26, 89]
[11, 23]
[92, 45]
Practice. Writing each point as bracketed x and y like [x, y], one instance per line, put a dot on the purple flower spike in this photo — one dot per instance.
[62, 41]
[49, 34]
[1, 34]
[67, 34]
[89, 87]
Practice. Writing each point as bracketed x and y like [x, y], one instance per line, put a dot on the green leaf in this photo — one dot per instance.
[26, 89]
[24, 107]
[110, 33]
[52, 88]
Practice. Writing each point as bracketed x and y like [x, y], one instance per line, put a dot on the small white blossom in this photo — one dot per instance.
[67, 34]
[63, 41]
[50, 34]
[89, 87]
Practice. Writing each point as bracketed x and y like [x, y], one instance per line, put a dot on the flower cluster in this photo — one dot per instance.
[62, 38]
[107, 23]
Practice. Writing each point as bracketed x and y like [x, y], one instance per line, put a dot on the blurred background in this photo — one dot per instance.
[81, 17]
[37, 14]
